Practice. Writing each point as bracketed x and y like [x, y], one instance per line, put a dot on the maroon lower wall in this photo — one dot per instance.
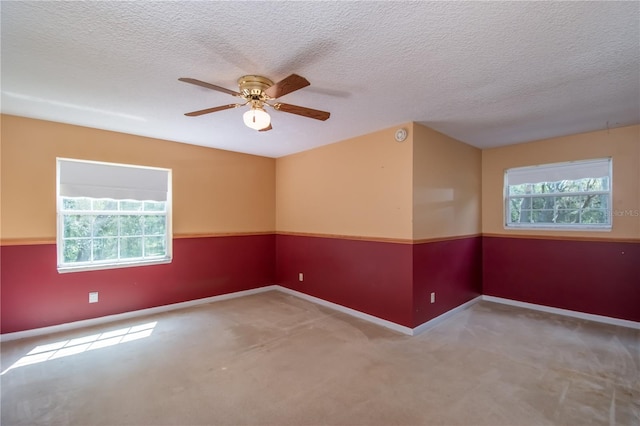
[392, 281]
[601, 278]
[368, 276]
[35, 295]
[452, 269]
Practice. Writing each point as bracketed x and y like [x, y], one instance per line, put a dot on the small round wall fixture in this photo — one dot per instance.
[401, 135]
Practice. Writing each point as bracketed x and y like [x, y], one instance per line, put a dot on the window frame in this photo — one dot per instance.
[111, 263]
[506, 199]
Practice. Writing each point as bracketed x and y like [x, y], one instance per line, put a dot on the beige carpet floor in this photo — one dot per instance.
[273, 359]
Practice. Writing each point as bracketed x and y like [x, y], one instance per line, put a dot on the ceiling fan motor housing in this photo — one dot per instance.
[253, 87]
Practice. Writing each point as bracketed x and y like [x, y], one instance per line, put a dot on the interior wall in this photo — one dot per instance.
[360, 187]
[377, 225]
[214, 191]
[371, 223]
[589, 271]
[223, 225]
[343, 219]
[621, 144]
[447, 177]
[447, 246]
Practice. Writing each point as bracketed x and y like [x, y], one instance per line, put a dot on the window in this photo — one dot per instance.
[112, 215]
[574, 195]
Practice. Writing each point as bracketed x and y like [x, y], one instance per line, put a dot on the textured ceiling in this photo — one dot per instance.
[486, 73]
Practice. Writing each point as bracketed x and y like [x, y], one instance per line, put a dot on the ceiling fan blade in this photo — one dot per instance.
[209, 86]
[209, 110]
[266, 128]
[288, 85]
[305, 112]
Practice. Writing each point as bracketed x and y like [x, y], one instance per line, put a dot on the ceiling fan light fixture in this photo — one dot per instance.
[256, 91]
[256, 118]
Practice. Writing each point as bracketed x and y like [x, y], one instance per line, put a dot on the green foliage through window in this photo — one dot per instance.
[579, 203]
[97, 231]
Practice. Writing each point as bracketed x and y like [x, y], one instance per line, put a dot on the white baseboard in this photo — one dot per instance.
[565, 312]
[434, 321]
[128, 315]
[379, 321]
[165, 308]
[373, 319]
[358, 314]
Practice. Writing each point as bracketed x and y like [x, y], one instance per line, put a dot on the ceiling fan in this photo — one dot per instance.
[257, 92]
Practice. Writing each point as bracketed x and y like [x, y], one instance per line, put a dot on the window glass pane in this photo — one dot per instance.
[516, 189]
[83, 204]
[130, 225]
[598, 201]
[130, 247]
[105, 205]
[544, 216]
[77, 226]
[154, 225]
[154, 206]
[541, 203]
[567, 216]
[129, 206]
[594, 216]
[577, 200]
[540, 188]
[105, 226]
[76, 250]
[582, 185]
[105, 248]
[562, 186]
[154, 246]
[514, 208]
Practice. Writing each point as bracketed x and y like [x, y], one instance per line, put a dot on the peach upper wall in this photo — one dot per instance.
[369, 186]
[214, 191]
[359, 187]
[622, 144]
[446, 186]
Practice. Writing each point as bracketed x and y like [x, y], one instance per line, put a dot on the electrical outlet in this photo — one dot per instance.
[93, 297]
[300, 277]
[433, 298]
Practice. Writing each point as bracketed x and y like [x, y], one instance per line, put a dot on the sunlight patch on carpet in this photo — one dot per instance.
[79, 345]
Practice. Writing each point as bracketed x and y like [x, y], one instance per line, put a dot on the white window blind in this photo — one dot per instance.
[559, 171]
[109, 180]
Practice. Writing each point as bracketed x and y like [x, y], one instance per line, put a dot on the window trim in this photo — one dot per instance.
[591, 227]
[104, 265]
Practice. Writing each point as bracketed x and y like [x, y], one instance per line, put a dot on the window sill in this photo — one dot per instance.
[603, 228]
[103, 266]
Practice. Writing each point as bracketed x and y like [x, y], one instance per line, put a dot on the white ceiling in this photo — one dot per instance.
[486, 73]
